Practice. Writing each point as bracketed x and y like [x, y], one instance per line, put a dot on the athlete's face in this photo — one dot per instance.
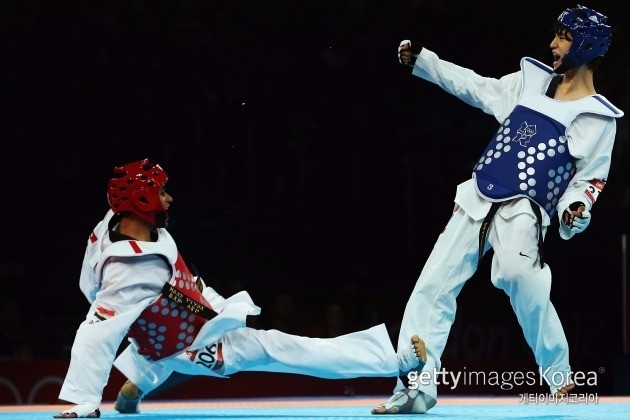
[165, 198]
[166, 201]
[560, 47]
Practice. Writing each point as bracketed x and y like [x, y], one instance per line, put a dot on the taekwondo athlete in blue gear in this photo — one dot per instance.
[551, 154]
[528, 155]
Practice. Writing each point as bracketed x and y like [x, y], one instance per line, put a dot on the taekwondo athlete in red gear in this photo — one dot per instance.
[139, 285]
[551, 153]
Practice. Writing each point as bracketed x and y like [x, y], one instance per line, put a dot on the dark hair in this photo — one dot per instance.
[561, 30]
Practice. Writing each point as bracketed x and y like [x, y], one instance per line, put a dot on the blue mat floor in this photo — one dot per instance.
[469, 408]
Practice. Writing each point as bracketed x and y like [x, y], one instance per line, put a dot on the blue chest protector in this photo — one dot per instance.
[529, 155]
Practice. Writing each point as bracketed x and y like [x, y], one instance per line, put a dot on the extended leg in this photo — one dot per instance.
[360, 354]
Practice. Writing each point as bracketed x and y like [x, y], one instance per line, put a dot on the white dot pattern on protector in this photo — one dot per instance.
[526, 164]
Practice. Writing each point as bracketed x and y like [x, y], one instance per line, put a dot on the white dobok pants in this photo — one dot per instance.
[516, 269]
[364, 353]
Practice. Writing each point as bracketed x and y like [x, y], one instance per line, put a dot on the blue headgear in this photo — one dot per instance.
[591, 36]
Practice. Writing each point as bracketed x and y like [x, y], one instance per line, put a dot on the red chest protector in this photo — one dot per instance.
[167, 327]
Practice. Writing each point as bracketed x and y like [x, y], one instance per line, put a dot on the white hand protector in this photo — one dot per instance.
[582, 222]
[81, 410]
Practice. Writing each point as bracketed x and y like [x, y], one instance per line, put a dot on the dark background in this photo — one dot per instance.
[307, 166]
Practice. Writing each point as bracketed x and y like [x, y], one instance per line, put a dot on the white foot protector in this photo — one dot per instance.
[406, 401]
[83, 410]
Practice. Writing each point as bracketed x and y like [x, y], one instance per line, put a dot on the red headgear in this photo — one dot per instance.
[135, 188]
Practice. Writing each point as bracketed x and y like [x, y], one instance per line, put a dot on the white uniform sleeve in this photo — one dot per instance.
[590, 139]
[129, 285]
[496, 97]
[215, 299]
[128, 281]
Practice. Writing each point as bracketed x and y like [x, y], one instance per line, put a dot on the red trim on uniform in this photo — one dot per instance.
[191, 354]
[598, 183]
[93, 237]
[220, 352]
[135, 247]
[218, 365]
[590, 196]
[108, 312]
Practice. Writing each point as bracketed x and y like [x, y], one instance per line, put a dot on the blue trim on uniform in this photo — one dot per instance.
[607, 104]
[539, 65]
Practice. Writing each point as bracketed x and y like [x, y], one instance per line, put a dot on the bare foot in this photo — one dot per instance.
[128, 398]
[129, 390]
[564, 390]
[412, 357]
[419, 348]
[381, 409]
